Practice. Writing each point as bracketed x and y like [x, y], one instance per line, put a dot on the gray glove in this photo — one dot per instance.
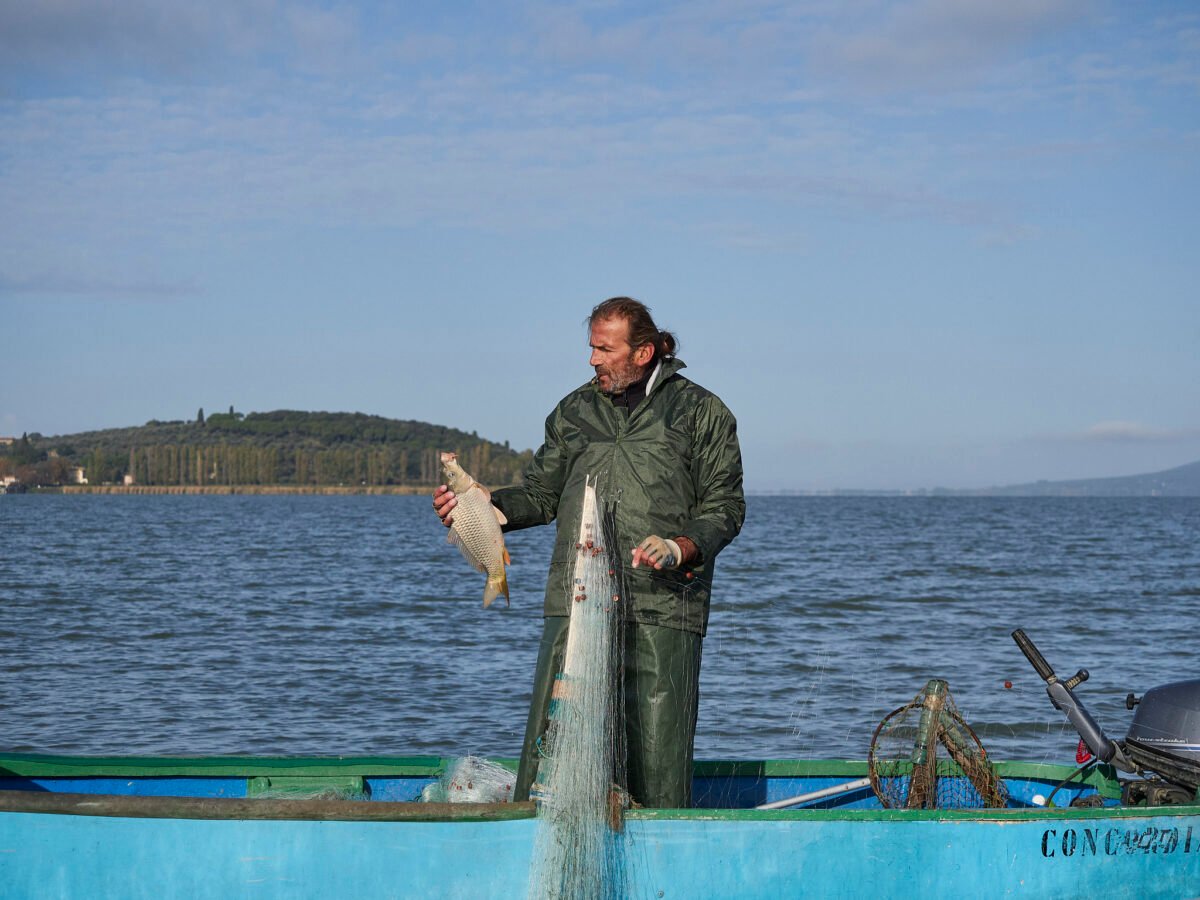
[662, 553]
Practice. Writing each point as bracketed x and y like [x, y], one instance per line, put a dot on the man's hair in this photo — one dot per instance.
[642, 329]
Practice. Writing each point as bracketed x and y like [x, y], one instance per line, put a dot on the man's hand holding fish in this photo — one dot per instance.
[476, 532]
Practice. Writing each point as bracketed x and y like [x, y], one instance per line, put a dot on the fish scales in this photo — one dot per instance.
[476, 528]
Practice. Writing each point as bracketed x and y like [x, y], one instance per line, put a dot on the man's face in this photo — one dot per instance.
[616, 363]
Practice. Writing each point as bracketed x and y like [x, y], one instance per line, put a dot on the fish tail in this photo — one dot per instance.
[496, 585]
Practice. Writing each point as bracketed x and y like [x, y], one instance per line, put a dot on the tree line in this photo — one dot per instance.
[29, 464]
[227, 464]
[283, 448]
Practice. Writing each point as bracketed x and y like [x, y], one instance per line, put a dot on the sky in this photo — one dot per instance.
[910, 244]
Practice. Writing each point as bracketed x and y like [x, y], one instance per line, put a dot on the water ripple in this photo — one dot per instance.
[334, 625]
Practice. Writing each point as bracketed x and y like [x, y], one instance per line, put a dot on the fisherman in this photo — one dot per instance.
[667, 452]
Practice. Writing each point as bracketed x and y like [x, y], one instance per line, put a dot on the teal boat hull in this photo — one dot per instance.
[153, 840]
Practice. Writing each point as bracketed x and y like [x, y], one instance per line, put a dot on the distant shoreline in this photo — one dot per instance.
[324, 489]
[334, 490]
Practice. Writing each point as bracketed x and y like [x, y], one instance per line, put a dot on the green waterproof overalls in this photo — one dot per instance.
[673, 465]
[661, 685]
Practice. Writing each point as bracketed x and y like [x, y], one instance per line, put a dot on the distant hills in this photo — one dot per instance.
[289, 447]
[1182, 481]
[284, 447]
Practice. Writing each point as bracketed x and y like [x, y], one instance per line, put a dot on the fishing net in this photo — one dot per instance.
[471, 779]
[577, 851]
[904, 765]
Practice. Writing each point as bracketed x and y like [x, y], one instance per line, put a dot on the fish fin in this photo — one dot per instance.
[456, 539]
[507, 558]
[500, 517]
[496, 585]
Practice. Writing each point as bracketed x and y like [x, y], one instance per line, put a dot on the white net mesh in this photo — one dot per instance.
[578, 849]
[471, 779]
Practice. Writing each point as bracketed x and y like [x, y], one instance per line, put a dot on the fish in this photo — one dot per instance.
[476, 529]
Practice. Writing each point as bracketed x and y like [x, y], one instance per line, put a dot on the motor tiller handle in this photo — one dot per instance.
[1034, 656]
[1105, 750]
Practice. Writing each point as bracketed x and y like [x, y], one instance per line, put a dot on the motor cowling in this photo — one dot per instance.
[1164, 736]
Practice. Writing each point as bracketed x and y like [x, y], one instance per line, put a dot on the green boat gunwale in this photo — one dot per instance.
[38, 765]
[29, 765]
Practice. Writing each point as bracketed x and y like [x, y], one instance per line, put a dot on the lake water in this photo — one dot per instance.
[301, 625]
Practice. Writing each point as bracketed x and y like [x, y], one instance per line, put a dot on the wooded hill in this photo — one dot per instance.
[281, 447]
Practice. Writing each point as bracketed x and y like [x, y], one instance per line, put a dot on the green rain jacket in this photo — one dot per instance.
[673, 467]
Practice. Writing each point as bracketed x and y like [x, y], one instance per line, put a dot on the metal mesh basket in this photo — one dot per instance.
[904, 765]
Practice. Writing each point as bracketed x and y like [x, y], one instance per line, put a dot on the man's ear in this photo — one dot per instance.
[643, 354]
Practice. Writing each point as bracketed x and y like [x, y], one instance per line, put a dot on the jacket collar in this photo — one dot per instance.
[667, 368]
[663, 370]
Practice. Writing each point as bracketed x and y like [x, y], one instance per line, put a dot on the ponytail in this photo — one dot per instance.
[642, 329]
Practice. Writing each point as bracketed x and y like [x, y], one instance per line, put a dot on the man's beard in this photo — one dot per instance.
[620, 376]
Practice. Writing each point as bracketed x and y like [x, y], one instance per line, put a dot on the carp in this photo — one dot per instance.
[476, 528]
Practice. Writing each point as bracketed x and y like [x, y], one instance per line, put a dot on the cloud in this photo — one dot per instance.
[753, 237]
[1131, 432]
[882, 198]
[162, 37]
[633, 39]
[90, 284]
[322, 37]
[937, 44]
[72, 34]
[693, 111]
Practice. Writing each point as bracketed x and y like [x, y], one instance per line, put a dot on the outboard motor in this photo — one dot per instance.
[1164, 739]
[1165, 734]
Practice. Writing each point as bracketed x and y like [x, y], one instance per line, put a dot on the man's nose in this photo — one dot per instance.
[594, 359]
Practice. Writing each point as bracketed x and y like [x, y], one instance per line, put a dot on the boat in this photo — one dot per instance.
[210, 827]
[387, 827]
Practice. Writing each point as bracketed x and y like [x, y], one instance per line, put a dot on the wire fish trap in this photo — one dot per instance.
[904, 764]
